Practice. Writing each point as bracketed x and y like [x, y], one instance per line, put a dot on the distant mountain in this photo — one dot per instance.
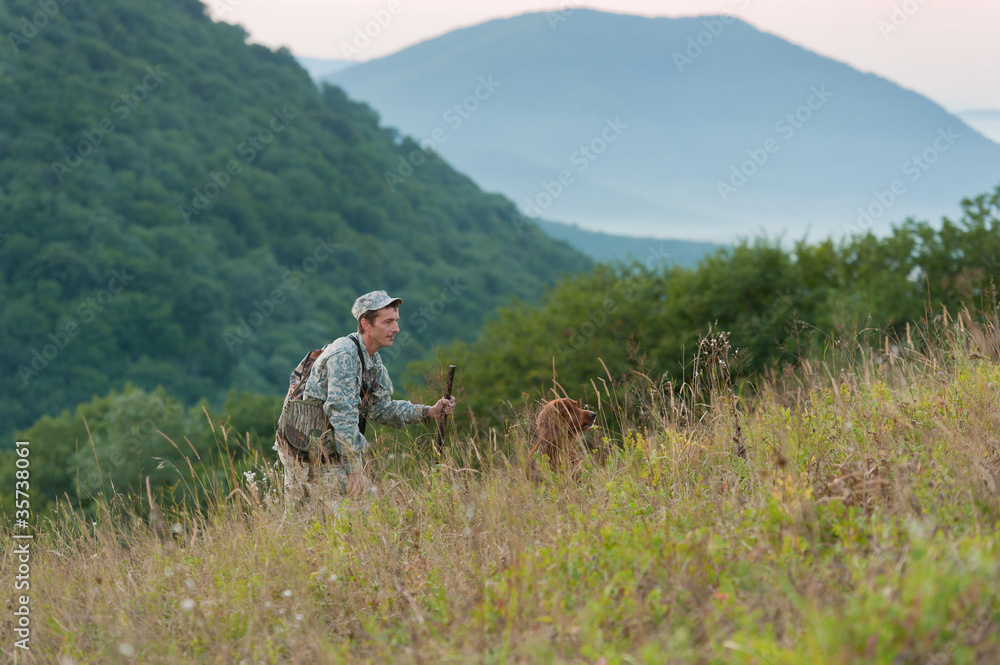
[179, 208]
[984, 121]
[319, 68]
[702, 128]
[652, 252]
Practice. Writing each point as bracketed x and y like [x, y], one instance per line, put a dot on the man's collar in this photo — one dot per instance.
[373, 359]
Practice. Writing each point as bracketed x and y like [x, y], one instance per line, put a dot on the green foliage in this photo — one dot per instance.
[182, 209]
[128, 442]
[252, 415]
[108, 446]
[778, 305]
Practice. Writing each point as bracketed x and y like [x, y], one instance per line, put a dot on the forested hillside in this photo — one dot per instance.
[181, 209]
[778, 306]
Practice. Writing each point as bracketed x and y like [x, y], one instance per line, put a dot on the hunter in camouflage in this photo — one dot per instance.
[345, 370]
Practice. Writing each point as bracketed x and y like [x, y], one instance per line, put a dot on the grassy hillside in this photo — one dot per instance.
[180, 208]
[859, 524]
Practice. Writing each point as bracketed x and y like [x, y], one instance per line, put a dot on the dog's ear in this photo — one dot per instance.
[548, 424]
[573, 415]
[567, 410]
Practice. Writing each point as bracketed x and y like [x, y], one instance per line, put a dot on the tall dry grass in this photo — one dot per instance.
[841, 511]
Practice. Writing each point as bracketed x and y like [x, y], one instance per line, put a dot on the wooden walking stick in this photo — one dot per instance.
[444, 421]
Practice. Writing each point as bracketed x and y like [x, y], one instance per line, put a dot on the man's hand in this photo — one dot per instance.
[444, 407]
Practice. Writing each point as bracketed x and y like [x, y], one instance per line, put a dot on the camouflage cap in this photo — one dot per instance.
[373, 301]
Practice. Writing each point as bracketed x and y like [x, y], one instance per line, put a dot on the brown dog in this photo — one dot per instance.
[559, 424]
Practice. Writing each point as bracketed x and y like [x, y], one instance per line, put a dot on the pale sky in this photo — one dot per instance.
[948, 50]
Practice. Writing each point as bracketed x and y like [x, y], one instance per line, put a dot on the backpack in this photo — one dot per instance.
[302, 424]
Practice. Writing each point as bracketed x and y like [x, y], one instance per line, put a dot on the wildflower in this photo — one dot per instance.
[250, 476]
[126, 649]
[187, 604]
[287, 593]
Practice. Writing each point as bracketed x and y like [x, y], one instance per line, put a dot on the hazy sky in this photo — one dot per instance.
[948, 50]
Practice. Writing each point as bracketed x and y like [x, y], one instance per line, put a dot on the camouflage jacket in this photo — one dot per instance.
[335, 379]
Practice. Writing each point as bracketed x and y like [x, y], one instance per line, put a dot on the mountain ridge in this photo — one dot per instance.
[691, 121]
[607, 248]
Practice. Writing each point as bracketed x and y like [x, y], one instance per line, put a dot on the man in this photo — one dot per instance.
[354, 386]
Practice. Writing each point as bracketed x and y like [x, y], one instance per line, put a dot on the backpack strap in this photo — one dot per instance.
[300, 375]
[365, 389]
[361, 356]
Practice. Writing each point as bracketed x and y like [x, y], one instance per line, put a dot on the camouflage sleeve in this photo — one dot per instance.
[394, 413]
[337, 378]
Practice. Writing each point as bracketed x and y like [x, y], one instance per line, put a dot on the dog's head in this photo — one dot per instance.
[565, 415]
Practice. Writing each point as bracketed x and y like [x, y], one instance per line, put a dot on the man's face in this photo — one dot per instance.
[385, 327]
